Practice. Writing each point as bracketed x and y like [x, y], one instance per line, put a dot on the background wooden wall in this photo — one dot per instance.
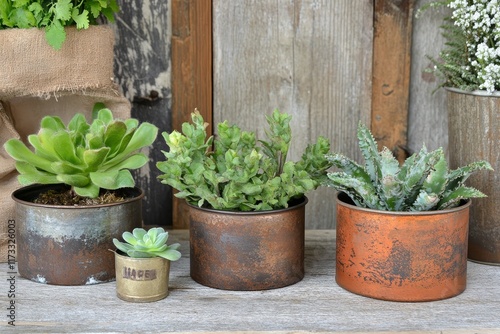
[328, 63]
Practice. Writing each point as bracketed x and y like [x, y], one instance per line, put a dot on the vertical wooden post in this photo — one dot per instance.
[391, 73]
[191, 71]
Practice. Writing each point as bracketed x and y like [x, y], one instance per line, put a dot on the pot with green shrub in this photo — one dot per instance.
[401, 230]
[246, 202]
[469, 69]
[55, 16]
[79, 194]
[142, 264]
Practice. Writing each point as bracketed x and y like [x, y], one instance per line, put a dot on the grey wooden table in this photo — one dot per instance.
[316, 304]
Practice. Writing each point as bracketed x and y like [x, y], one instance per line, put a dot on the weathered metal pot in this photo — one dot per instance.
[401, 256]
[69, 245]
[247, 250]
[141, 280]
[474, 134]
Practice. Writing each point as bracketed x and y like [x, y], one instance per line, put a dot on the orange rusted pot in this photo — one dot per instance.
[247, 250]
[401, 256]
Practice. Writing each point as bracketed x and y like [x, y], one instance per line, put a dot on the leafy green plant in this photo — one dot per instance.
[238, 174]
[142, 244]
[470, 59]
[422, 183]
[85, 156]
[54, 15]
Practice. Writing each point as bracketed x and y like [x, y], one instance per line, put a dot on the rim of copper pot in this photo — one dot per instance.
[343, 199]
[35, 187]
[296, 203]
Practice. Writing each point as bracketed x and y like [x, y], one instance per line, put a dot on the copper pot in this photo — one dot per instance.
[401, 256]
[247, 250]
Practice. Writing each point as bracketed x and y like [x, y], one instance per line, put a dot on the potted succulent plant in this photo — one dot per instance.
[246, 202]
[83, 195]
[142, 264]
[469, 66]
[401, 230]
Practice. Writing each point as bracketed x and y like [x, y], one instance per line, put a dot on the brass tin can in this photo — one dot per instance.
[141, 279]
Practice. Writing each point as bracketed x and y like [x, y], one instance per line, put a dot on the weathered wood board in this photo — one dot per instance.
[143, 70]
[427, 115]
[311, 59]
[314, 305]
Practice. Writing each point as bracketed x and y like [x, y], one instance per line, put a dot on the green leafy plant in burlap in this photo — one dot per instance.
[422, 183]
[85, 156]
[53, 16]
[238, 174]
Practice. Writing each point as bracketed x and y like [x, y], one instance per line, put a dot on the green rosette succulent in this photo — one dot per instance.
[238, 173]
[153, 243]
[422, 183]
[85, 156]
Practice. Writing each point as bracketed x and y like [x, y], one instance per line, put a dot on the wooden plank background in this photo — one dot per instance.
[313, 59]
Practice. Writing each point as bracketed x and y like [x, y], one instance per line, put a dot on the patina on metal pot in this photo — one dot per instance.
[401, 256]
[69, 245]
[141, 280]
[247, 250]
[474, 134]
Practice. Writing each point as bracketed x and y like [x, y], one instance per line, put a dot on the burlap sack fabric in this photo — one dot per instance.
[36, 80]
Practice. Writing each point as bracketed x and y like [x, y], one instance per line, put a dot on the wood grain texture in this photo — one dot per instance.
[427, 118]
[316, 304]
[143, 70]
[391, 74]
[310, 59]
[191, 72]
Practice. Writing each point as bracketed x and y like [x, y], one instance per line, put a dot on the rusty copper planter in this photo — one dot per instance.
[66, 245]
[141, 280]
[474, 134]
[247, 250]
[401, 256]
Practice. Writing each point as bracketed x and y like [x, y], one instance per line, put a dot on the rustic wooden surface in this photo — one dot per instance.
[427, 116]
[392, 30]
[311, 59]
[191, 73]
[314, 305]
[143, 70]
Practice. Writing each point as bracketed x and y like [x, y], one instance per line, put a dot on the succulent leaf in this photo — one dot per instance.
[85, 156]
[240, 173]
[421, 183]
[145, 244]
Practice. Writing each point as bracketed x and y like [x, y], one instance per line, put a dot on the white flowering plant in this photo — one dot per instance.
[471, 57]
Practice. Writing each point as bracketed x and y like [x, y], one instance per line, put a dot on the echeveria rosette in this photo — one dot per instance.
[85, 156]
[146, 244]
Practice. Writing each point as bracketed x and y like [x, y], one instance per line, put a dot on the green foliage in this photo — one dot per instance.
[422, 183]
[153, 243]
[238, 174]
[469, 60]
[54, 15]
[85, 156]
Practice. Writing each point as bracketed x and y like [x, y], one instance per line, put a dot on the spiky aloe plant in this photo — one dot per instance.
[153, 243]
[85, 156]
[422, 183]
